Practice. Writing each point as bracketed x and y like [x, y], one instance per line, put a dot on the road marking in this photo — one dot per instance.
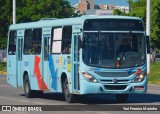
[154, 85]
[25, 101]
[5, 86]
[101, 112]
[154, 91]
[97, 112]
[2, 78]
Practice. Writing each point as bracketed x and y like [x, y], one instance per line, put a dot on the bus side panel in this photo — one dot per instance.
[66, 67]
[54, 68]
[11, 70]
[26, 65]
[34, 75]
[57, 65]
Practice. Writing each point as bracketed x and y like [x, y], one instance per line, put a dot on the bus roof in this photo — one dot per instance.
[61, 22]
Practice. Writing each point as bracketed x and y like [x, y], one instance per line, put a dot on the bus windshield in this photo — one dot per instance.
[114, 50]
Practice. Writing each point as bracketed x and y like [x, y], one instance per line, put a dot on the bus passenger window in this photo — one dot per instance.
[66, 39]
[27, 41]
[46, 48]
[12, 43]
[56, 40]
[36, 41]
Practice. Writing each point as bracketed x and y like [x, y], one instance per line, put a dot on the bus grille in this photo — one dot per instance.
[115, 87]
[113, 74]
[118, 81]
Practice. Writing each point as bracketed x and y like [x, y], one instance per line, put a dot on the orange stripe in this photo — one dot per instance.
[37, 73]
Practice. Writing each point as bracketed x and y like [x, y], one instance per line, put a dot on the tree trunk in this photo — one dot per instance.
[153, 55]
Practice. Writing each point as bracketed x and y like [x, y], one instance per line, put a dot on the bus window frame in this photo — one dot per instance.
[14, 43]
[29, 42]
[66, 40]
[32, 41]
[52, 40]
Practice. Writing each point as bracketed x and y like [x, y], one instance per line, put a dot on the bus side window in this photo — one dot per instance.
[66, 39]
[36, 41]
[27, 41]
[46, 49]
[56, 40]
[12, 43]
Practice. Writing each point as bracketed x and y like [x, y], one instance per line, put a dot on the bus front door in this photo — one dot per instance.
[45, 63]
[75, 64]
[19, 57]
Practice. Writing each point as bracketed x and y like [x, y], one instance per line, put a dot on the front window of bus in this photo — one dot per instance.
[114, 49]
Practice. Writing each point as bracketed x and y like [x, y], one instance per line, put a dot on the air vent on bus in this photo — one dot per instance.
[44, 19]
[115, 87]
[114, 74]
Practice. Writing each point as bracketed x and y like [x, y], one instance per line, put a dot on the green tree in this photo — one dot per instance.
[138, 9]
[31, 10]
[118, 12]
[155, 23]
[5, 20]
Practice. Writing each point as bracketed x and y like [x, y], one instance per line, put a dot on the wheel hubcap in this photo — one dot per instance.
[67, 90]
[26, 87]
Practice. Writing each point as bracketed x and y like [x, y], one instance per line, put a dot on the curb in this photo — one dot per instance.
[3, 73]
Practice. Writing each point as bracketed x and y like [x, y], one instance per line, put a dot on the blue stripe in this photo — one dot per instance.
[53, 73]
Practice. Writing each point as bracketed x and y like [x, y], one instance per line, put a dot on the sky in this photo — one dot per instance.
[115, 2]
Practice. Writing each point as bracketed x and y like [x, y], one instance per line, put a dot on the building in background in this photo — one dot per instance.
[88, 7]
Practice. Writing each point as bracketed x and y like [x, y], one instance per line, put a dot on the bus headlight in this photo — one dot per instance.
[139, 78]
[89, 77]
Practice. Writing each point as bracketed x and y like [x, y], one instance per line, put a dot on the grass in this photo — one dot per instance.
[3, 66]
[154, 75]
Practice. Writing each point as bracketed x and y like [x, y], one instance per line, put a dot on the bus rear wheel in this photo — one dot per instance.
[69, 97]
[122, 98]
[27, 90]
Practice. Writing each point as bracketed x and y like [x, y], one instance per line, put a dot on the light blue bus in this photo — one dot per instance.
[79, 56]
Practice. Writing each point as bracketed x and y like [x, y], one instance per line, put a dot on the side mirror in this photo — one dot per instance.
[148, 44]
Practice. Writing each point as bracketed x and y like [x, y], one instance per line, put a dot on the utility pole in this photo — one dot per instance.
[14, 11]
[148, 30]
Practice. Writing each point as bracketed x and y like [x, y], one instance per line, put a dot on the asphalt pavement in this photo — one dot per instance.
[10, 96]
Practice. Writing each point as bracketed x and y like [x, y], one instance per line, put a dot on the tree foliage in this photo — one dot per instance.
[31, 10]
[5, 20]
[138, 9]
[118, 12]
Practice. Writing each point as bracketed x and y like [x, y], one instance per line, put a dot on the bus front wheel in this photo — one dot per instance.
[69, 97]
[27, 90]
[122, 97]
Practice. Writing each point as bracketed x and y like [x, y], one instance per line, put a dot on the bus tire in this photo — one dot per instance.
[27, 89]
[69, 97]
[122, 98]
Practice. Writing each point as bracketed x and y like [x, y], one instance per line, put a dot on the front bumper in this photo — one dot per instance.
[101, 88]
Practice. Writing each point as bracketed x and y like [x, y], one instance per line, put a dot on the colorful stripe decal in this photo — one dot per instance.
[53, 73]
[37, 73]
